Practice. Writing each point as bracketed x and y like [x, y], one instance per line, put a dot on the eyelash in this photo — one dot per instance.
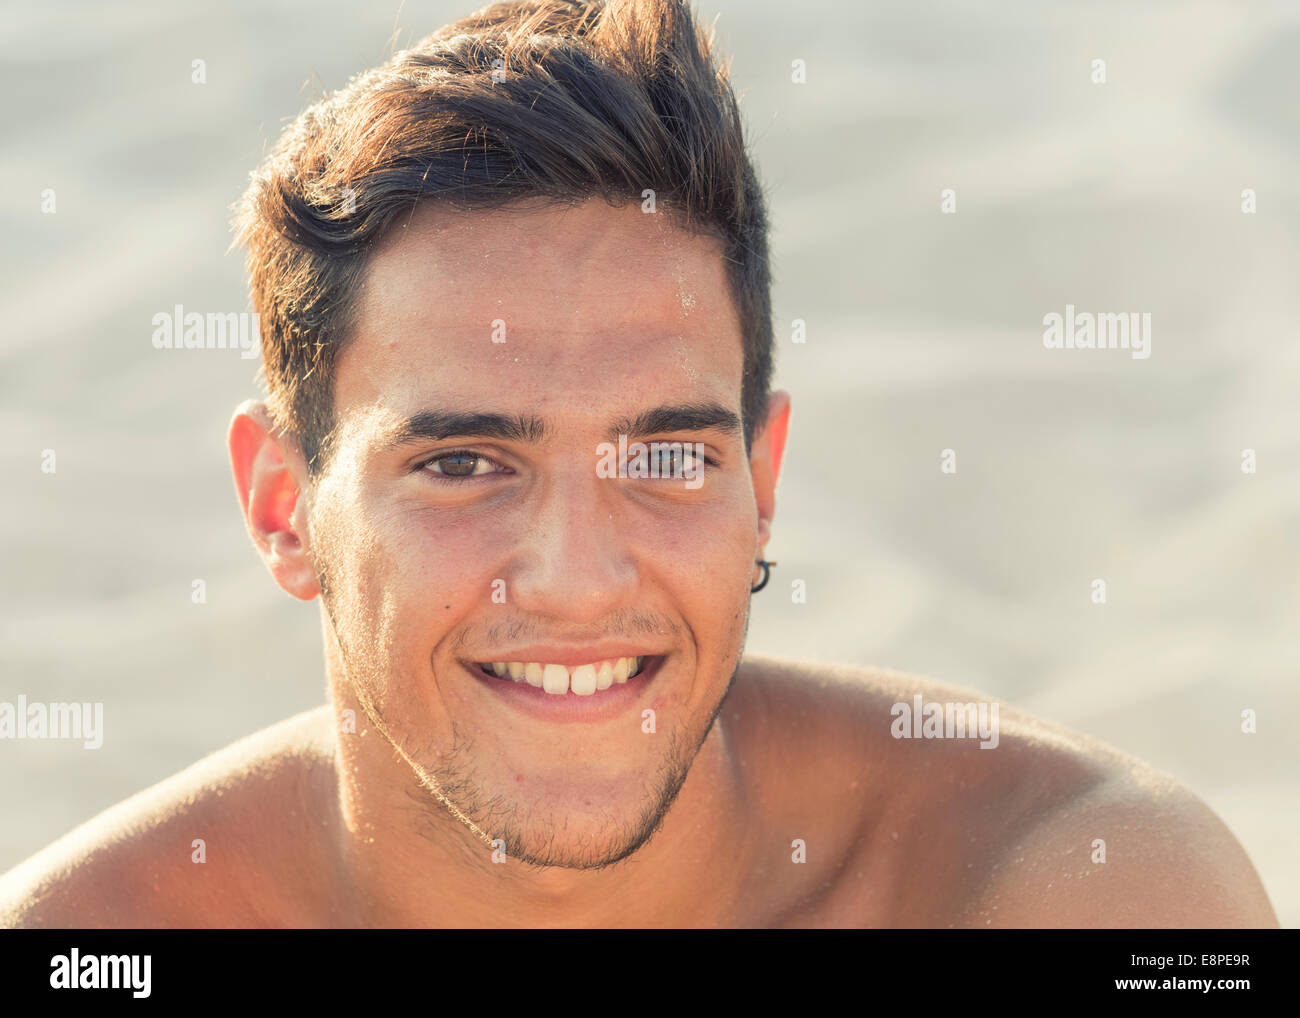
[457, 479]
[709, 461]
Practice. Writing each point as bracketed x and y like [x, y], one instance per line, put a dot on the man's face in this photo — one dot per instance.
[449, 545]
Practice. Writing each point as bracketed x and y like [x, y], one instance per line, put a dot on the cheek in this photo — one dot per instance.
[442, 559]
[421, 574]
[704, 559]
[389, 575]
[713, 543]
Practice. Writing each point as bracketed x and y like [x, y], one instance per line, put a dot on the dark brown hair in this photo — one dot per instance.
[604, 98]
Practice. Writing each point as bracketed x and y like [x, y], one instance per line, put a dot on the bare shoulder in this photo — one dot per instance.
[868, 731]
[218, 844]
[945, 807]
[1138, 851]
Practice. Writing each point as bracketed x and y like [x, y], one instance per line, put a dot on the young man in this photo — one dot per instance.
[520, 442]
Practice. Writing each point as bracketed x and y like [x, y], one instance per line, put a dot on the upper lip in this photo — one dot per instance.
[571, 655]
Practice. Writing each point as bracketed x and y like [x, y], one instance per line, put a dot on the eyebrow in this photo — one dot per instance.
[686, 417]
[435, 425]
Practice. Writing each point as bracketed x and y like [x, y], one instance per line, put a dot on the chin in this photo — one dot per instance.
[557, 821]
[562, 843]
[585, 826]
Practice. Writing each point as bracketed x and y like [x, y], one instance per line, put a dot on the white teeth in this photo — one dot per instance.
[555, 679]
[582, 680]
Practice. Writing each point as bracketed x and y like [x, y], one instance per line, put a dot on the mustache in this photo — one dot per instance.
[623, 624]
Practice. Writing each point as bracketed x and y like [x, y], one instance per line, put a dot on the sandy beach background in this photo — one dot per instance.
[924, 333]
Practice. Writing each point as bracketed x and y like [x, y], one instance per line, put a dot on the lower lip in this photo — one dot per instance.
[599, 706]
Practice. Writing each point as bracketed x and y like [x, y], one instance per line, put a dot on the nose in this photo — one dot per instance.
[575, 561]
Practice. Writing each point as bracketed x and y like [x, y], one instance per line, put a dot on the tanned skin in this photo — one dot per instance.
[339, 817]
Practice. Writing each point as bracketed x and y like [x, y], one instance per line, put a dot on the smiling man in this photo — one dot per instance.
[534, 237]
[501, 614]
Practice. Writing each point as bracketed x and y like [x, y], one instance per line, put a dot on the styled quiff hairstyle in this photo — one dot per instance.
[551, 101]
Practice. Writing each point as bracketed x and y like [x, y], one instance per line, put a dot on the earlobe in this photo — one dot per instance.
[266, 470]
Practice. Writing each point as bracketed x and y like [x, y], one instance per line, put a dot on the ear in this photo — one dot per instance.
[270, 474]
[765, 462]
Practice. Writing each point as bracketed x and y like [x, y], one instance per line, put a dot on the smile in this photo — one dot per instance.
[557, 679]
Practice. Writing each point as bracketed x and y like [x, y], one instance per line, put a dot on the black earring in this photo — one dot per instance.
[766, 566]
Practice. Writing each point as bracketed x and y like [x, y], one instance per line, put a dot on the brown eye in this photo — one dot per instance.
[461, 465]
[458, 464]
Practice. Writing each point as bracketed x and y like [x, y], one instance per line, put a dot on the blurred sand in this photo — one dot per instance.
[924, 333]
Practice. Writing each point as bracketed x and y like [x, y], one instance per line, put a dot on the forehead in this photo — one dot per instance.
[571, 312]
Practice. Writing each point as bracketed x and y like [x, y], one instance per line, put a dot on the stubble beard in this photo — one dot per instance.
[449, 795]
